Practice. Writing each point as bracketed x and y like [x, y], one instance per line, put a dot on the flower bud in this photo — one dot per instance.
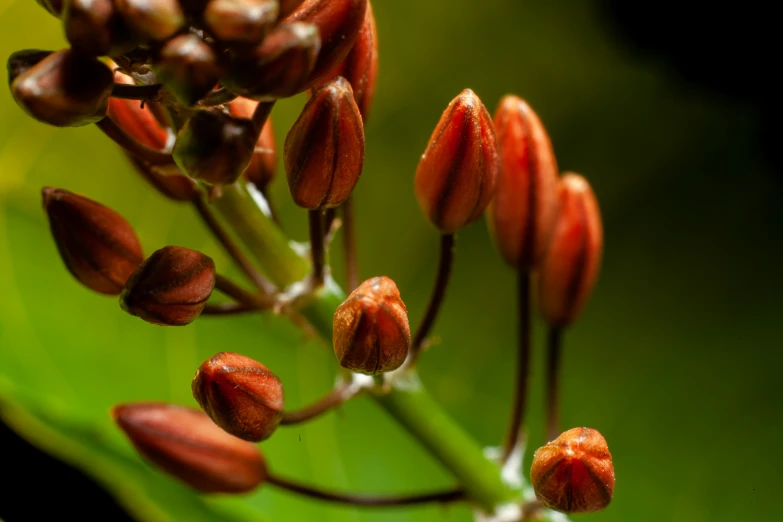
[20, 61]
[98, 246]
[522, 214]
[151, 19]
[244, 21]
[371, 331]
[186, 444]
[263, 165]
[241, 395]
[95, 27]
[571, 263]
[136, 119]
[64, 89]
[214, 147]
[455, 179]
[171, 287]
[324, 150]
[574, 473]
[277, 68]
[188, 67]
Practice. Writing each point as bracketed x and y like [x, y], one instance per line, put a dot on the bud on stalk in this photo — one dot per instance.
[573, 258]
[186, 444]
[455, 179]
[188, 67]
[148, 20]
[371, 331]
[245, 21]
[241, 395]
[263, 165]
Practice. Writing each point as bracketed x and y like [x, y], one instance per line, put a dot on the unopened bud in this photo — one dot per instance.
[186, 444]
[98, 246]
[64, 89]
[188, 67]
[20, 61]
[574, 473]
[151, 19]
[573, 257]
[95, 27]
[324, 150]
[136, 118]
[241, 395]
[171, 287]
[215, 147]
[455, 179]
[523, 211]
[263, 166]
[245, 21]
[371, 331]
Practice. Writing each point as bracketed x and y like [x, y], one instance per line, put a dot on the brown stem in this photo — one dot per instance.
[229, 309]
[124, 140]
[515, 424]
[554, 344]
[317, 246]
[239, 294]
[349, 245]
[135, 92]
[217, 97]
[263, 109]
[333, 399]
[449, 495]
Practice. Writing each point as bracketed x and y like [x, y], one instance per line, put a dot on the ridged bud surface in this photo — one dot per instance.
[455, 179]
[241, 395]
[263, 165]
[245, 21]
[151, 19]
[371, 331]
[188, 67]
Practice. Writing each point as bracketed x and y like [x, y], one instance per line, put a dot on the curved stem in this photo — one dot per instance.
[236, 292]
[128, 91]
[217, 97]
[261, 113]
[554, 345]
[349, 245]
[229, 309]
[124, 140]
[449, 495]
[317, 246]
[333, 399]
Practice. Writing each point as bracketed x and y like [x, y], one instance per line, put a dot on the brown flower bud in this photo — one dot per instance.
[241, 395]
[55, 7]
[455, 179]
[277, 68]
[186, 444]
[95, 27]
[574, 473]
[64, 89]
[371, 331]
[188, 67]
[263, 166]
[324, 150]
[244, 21]
[338, 23]
[573, 257]
[523, 212]
[171, 287]
[20, 61]
[215, 147]
[98, 246]
[151, 19]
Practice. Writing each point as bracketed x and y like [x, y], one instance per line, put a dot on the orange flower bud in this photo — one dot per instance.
[188, 67]
[523, 212]
[241, 395]
[95, 27]
[151, 19]
[263, 165]
[324, 150]
[98, 246]
[455, 179]
[136, 119]
[22, 60]
[186, 444]
[171, 287]
[245, 21]
[574, 473]
[371, 331]
[573, 258]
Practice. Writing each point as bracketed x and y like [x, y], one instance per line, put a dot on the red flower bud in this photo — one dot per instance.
[241, 395]
[151, 19]
[572, 260]
[22, 60]
[98, 246]
[522, 214]
[574, 473]
[188, 67]
[171, 287]
[324, 150]
[186, 444]
[64, 89]
[95, 27]
[371, 331]
[263, 165]
[244, 21]
[455, 179]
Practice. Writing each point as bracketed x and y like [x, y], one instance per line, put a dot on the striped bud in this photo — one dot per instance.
[20, 61]
[241, 395]
[574, 473]
[245, 21]
[455, 179]
[186, 444]
[171, 287]
[188, 67]
[148, 20]
[523, 212]
[263, 165]
[371, 331]
[573, 258]
[98, 246]
[95, 27]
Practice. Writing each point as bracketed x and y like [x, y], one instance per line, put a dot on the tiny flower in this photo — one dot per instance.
[573, 257]
[245, 21]
[574, 473]
[186, 444]
[188, 67]
[171, 287]
[523, 212]
[241, 395]
[151, 19]
[95, 27]
[371, 331]
[97, 245]
[22, 60]
[263, 165]
[324, 150]
[455, 179]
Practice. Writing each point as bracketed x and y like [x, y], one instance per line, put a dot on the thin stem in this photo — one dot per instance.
[317, 246]
[515, 425]
[124, 140]
[449, 495]
[236, 292]
[229, 309]
[437, 296]
[554, 349]
[128, 91]
[333, 399]
[217, 97]
[260, 115]
[349, 245]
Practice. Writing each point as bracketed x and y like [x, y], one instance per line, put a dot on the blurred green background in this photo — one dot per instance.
[676, 359]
